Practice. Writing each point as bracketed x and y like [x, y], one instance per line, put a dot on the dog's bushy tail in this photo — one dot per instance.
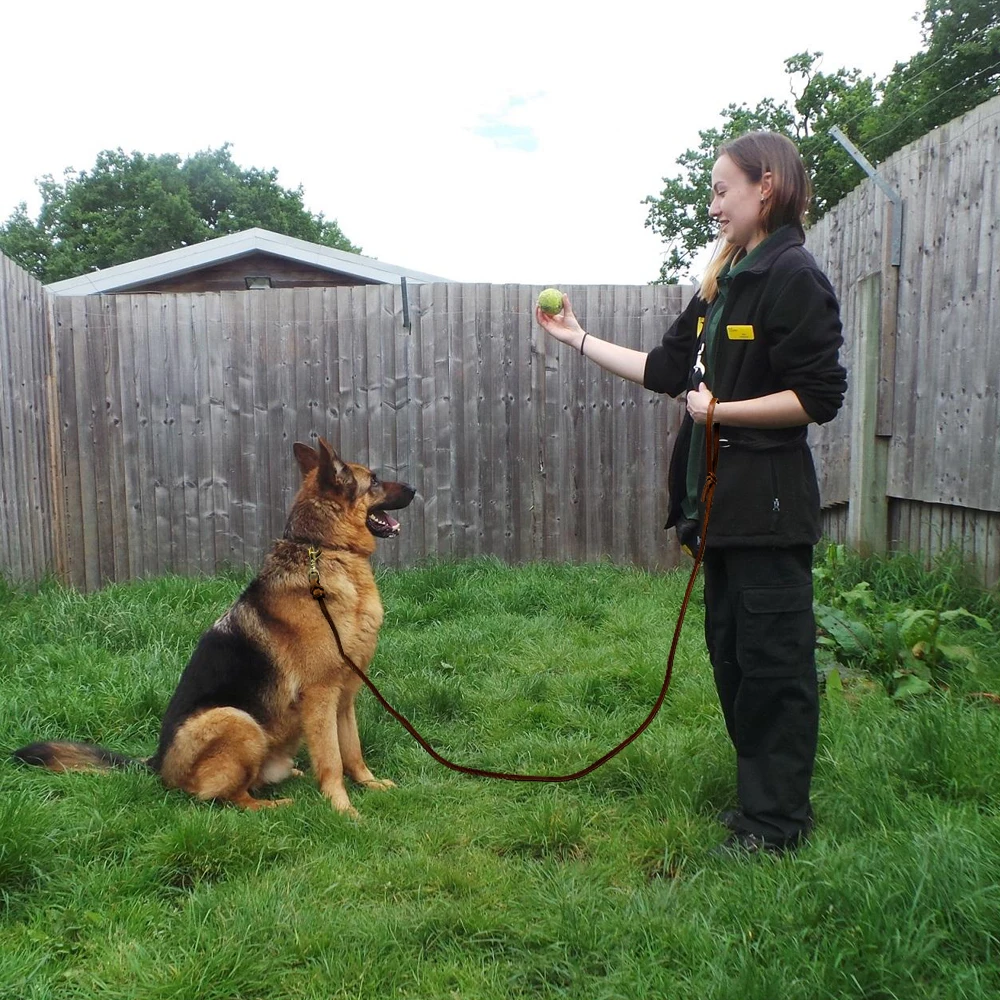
[66, 756]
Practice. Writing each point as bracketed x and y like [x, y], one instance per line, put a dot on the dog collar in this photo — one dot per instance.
[313, 543]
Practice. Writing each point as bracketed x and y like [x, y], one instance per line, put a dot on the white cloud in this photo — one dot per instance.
[492, 142]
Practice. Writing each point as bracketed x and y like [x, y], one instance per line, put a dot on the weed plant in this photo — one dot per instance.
[916, 630]
[451, 887]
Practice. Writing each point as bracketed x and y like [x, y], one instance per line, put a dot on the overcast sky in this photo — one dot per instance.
[495, 142]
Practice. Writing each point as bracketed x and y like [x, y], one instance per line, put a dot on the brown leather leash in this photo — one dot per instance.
[711, 464]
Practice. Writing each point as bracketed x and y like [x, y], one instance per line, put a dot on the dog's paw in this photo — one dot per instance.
[338, 800]
[295, 773]
[248, 802]
[379, 784]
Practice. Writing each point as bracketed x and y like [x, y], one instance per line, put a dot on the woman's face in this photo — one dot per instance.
[737, 202]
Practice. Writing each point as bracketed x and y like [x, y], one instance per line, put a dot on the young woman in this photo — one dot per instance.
[762, 337]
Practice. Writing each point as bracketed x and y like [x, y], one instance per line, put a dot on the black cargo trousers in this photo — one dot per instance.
[761, 636]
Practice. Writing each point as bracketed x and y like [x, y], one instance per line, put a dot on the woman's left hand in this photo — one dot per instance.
[697, 403]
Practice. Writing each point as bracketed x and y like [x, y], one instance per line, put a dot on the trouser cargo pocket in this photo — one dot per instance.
[776, 631]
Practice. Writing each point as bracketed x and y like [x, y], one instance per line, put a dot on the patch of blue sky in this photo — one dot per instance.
[505, 128]
[504, 135]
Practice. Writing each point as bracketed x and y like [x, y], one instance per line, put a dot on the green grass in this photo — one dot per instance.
[452, 887]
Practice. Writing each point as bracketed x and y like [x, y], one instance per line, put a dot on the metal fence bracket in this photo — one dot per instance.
[891, 193]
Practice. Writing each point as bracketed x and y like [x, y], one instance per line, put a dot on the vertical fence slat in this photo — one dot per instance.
[517, 307]
[590, 474]
[9, 509]
[213, 344]
[202, 471]
[234, 324]
[85, 485]
[119, 542]
[347, 373]
[279, 407]
[263, 317]
[368, 307]
[622, 457]
[447, 392]
[187, 487]
[401, 401]
[130, 466]
[417, 383]
[169, 439]
[488, 432]
[22, 398]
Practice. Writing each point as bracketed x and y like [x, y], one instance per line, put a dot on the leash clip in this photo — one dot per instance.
[314, 585]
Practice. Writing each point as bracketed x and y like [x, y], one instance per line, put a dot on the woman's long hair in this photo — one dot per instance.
[757, 153]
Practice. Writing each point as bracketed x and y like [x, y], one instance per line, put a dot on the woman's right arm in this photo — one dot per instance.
[664, 369]
[614, 358]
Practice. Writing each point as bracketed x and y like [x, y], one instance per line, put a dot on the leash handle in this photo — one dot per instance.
[712, 438]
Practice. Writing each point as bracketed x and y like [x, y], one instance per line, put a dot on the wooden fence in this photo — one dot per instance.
[141, 434]
[178, 415]
[932, 424]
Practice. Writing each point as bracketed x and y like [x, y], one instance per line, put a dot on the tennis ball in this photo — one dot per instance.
[550, 301]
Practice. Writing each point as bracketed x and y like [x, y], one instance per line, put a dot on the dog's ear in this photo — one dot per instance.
[307, 457]
[333, 473]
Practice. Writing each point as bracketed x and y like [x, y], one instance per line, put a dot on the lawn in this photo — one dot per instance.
[452, 887]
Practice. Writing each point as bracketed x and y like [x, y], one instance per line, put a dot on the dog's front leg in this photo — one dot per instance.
[350, 746]
[319, 719]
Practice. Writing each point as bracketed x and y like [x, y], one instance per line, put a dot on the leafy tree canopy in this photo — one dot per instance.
[957, 69]
[131, 206]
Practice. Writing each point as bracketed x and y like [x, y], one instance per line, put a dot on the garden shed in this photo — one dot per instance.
[253, 258]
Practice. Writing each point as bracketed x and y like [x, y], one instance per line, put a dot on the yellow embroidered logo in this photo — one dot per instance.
[740, 332]
[701, 324]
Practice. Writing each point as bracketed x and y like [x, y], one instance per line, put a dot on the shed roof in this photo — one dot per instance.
[122, 277]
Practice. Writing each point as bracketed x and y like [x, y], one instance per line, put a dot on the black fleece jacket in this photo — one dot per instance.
[780, 329]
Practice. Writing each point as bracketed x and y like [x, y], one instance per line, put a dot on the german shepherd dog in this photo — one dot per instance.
[268, 674]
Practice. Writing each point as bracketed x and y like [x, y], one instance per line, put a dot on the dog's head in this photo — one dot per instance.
[340, 503]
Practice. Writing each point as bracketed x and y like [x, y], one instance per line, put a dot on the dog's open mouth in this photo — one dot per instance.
[397, 496]
[381, 525]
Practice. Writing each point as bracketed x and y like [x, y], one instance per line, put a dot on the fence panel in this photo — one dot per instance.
[29, 477]
[182, 411]
[945, 411]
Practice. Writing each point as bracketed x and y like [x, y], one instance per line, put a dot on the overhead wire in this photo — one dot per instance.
[927, 104]
[850, 121]
[973, 36]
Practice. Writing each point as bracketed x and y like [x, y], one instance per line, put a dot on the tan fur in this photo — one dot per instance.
[72, 757]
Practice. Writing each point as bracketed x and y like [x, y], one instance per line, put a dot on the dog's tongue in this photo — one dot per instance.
[382, 524]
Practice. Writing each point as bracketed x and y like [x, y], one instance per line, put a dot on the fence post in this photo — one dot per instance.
[868, 510]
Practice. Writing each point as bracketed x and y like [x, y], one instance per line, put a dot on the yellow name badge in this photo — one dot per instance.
[701, 324]
[740, 332]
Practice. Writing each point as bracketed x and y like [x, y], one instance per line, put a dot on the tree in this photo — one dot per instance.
[131, 206]
[958, 69]
[230, 199]
[24, 242]
[679, 214]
